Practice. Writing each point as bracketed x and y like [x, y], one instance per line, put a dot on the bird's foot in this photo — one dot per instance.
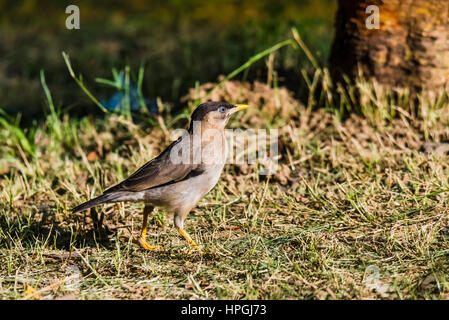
[196, 248]
[144, 244]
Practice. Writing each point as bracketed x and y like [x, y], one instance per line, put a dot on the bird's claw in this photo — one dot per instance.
[144, 244]
[196, 248]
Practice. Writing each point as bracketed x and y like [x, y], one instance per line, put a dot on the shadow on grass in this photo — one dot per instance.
[41, 228]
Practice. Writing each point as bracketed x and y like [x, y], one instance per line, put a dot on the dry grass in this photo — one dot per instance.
[348, 194]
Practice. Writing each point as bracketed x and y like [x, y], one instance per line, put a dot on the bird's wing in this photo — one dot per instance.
[161, 170]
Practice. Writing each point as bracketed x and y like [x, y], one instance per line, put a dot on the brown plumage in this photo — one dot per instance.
[182, 174]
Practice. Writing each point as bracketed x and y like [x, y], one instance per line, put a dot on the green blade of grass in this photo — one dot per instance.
[250, 61]
[80, 83]
[306, 50]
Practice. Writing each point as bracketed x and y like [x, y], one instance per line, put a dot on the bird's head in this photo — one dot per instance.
[215, 114]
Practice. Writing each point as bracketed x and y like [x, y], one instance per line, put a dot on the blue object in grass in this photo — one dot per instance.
[117, 101]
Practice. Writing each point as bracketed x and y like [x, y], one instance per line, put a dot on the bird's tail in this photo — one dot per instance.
[109, 197]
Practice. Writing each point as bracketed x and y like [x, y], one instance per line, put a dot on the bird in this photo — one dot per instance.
[181, 175]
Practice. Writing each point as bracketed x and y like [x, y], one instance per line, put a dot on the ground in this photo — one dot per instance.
[356, 210]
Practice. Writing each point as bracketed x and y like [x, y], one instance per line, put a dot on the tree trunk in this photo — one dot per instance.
[410, 49]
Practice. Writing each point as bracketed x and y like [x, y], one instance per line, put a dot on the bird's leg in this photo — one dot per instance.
[143, 233]
[189, 239]
[179, 224]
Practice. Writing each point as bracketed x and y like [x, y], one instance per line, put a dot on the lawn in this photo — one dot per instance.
[357, 208]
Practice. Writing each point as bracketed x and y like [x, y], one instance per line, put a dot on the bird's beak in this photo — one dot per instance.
[238, 107]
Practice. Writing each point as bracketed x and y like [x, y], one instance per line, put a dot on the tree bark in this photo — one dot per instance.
[410, 49]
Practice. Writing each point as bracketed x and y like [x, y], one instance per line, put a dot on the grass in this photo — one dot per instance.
[352, 194]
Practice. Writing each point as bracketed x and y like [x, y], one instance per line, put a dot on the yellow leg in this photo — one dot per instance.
[189, 239]
[143, 234]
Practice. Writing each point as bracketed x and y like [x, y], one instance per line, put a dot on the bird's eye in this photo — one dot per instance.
[222, 109]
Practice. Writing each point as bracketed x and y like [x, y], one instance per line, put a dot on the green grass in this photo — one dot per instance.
[350, 192]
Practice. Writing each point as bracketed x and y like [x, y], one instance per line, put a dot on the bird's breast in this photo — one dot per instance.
[187, 192]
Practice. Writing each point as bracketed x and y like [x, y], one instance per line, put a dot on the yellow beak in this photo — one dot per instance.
[239, 107]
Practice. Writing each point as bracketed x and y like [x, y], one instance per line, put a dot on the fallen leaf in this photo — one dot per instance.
[92, 156]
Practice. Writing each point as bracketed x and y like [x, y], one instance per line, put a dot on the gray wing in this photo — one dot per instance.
[161, 170]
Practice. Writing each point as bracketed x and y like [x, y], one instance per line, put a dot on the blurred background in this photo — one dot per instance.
[180, 43]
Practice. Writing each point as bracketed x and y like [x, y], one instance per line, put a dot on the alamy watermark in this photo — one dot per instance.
[236, 146]
[72, 278]
[373, 20]
[73, 20]
[372, 280]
